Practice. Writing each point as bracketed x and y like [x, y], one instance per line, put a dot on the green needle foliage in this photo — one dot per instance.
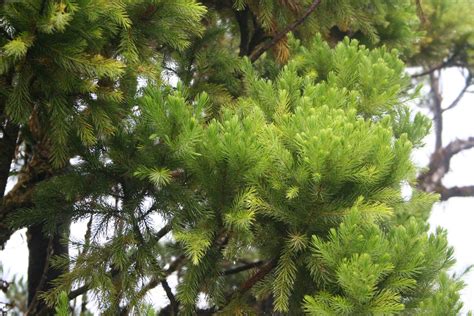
[83, 47]
[289, 161]
[266, 184]
[364, 270]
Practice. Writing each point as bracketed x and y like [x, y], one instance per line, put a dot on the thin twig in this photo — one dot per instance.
[447, 63]
[465, 191]
[157, 280]
[439, 166]
[460, 95]
[152, 284]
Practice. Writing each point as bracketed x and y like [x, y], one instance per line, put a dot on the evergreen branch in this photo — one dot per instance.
[250, 282]
[87, 237]
[157, 280]
[166, 311]
[243, 267]
[151, 285]
[149, 12]
[261, 273]
[279, 36]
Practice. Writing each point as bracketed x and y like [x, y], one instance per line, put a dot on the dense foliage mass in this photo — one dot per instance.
[267, 179]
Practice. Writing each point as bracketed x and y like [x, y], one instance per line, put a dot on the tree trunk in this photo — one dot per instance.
[40, 272]
[41, 247]
[8, 141]
[7, 150]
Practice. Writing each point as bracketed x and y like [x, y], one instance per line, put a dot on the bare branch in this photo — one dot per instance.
[460, 95]
[279, 36]
[440, 162]
[447, 63]
[458, 145]
[162, 232]
[437, 100]
[429, 70]
[466, 191]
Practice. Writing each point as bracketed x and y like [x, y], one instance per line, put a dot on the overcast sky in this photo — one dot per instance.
[456, 215]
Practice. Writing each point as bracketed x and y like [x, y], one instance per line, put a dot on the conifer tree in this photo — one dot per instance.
[268, 178]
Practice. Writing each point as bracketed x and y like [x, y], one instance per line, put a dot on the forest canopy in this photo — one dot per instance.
[254, 152]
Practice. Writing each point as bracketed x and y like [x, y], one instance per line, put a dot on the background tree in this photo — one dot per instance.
[256, 165]
[448, 43]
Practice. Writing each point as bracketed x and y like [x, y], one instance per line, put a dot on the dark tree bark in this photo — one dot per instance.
[7, 150]
[8, 142]
[40, 272]
[431, 180]
[242, 18]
